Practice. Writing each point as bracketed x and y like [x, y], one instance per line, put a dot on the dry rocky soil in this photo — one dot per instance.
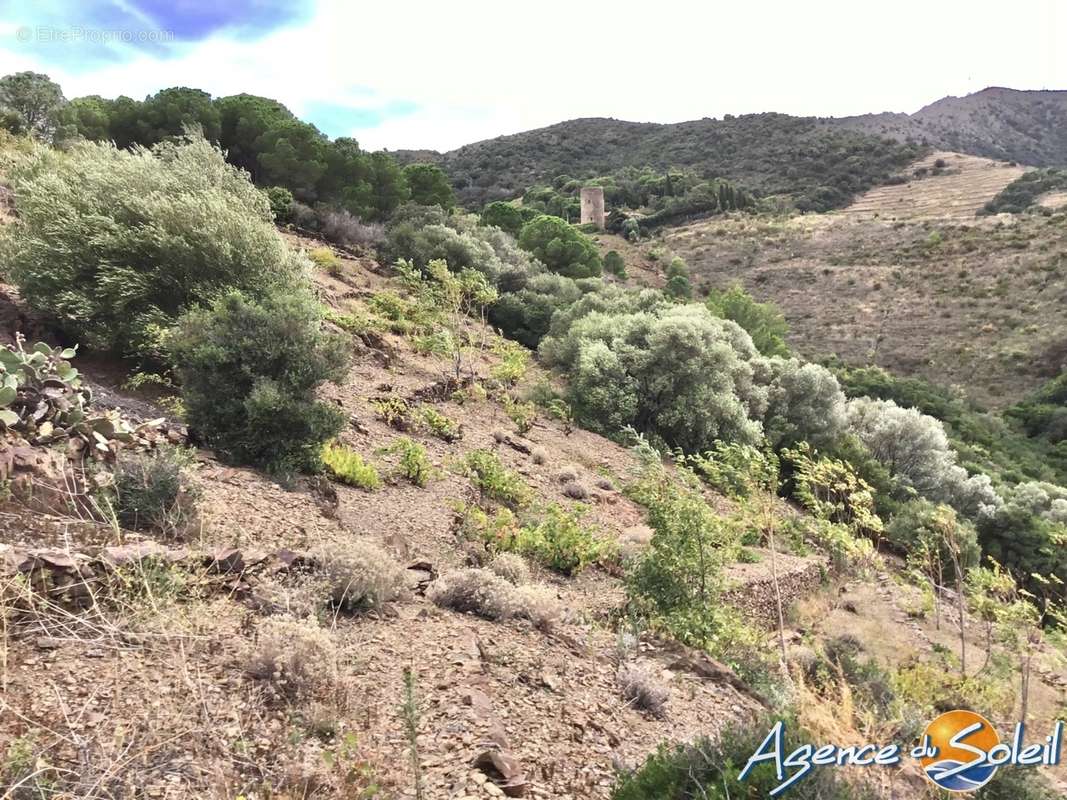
[127, 676]
[147, 695]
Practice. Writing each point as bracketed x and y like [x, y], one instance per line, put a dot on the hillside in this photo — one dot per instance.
[1004, 124]
[909, 279]
[299, 506]
[545, 694]
[824, 166]
[766, 153]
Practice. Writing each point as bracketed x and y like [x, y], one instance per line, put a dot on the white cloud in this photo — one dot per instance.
[479, 69]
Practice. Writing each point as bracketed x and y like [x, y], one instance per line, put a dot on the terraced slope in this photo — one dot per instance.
[964, 184]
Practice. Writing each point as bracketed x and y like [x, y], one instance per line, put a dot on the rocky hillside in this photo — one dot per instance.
[1005, 124]
[147, 646]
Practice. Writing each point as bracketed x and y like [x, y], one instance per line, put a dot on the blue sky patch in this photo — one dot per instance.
[337, 119]
[86, 35]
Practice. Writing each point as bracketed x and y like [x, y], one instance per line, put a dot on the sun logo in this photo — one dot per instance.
[958, 745]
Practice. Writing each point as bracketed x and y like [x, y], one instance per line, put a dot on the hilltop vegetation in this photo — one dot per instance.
[766, 154]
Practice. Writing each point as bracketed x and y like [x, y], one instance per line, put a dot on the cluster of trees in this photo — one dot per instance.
[170, 257]
[661, 198]
[258, 134]
[1023, 192]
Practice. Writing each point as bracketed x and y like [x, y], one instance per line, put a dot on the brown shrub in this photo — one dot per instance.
[361, 576]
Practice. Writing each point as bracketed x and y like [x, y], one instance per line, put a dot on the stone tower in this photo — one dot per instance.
[593, 206]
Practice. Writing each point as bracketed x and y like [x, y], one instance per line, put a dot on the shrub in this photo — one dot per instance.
[676, 583]
[503, 215]
[473, 591]
[522, 414]
[114, 245]
[429, 185]
[348, 466]
[295, 658]
[414, 465]
[641, 689]
[281, 202]
[916, 525]
[539, 455]
[804, 404]
[524, 314]
[830, 489]
[341, 227]
[324, 258]
[514, 361]
[560, 247]
[538, 604]
[560, 541]
[567, 474]
[249, 371]
[614, 264]
[677, 373]
[678, 285]
[916, 451]
[151, 492]
[441, 426]
[392, 410]
[361, 576]
[763, 321]
[511, 567]
[494, 481]
[575, 490]
[736, 470]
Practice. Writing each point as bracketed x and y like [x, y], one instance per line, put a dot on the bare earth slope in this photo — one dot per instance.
[963, 186]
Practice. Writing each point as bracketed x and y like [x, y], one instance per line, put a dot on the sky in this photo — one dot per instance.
[437, 75]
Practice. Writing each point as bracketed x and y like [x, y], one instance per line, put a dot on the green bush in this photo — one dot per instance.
[677, 582]
[736, 470]
[429, 185]
[440, 426]
[763, 321]
[249, 370]
[414, 465]
[115, 245]
[561, 247]
[495, 481]
[281, 203]
[614, 264]
[324, 258]
[560, 541]
[507, 217]
[348, 466]
[711, 770]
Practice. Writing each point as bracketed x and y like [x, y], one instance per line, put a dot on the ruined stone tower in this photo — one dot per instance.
[593, 206]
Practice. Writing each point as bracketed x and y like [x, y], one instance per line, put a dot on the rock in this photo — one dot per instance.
[504, 769]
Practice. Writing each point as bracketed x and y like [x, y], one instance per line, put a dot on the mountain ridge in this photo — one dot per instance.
[1025, 126]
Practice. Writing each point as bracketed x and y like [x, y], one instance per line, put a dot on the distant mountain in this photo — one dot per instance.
[1029, 127]
[825, 160]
